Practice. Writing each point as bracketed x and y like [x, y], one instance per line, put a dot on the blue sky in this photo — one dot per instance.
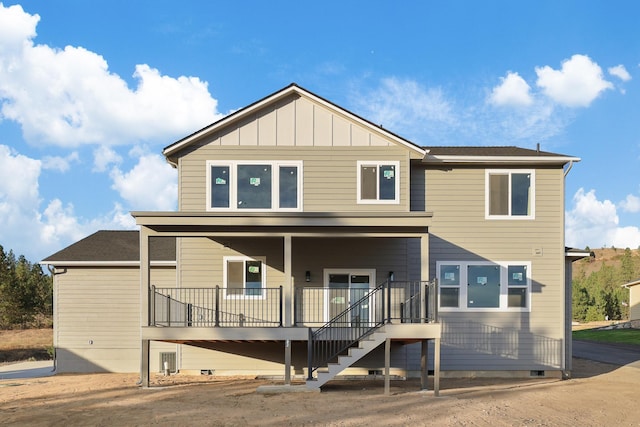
[90, 93]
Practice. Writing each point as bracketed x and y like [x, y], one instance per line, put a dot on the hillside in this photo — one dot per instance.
[597, 291]
[608, 256]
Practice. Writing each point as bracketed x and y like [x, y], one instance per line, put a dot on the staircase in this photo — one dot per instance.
[353, 354]
[347, 337]
[367, 323]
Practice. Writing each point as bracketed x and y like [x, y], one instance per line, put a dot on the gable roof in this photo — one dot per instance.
[109, 247]
[495, 154]
[293, 88]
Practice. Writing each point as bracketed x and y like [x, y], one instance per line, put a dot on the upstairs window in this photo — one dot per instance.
[254, 186]
[510, 194]
[378, 182]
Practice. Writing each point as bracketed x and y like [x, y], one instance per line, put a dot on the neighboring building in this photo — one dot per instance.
[634, 301]
[293, 212]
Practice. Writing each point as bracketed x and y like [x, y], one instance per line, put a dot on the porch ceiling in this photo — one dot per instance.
[298, 224]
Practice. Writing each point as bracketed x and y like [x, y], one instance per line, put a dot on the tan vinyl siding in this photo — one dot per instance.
[329, 175]
[460, 232]
[329, 144]
[201, 259]
[634, 302]
[97, 317]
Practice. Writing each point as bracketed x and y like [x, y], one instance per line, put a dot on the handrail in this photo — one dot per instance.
[337, 335]
[409, 302]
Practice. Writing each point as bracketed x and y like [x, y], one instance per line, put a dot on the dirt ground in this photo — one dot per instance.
[598, 395]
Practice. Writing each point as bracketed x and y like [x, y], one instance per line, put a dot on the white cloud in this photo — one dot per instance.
[630, 204]
[34, 232]
[620, 72]
[513, 91]
[68, 97]
[595, 223]
[103, 157]
[58, 163]
[17, 195]
[406, 107]
[577, 84]
[150, 185]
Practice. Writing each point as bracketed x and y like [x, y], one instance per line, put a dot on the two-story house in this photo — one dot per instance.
[304, 231]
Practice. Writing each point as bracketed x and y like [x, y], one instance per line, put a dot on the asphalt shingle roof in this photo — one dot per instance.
[114, 246]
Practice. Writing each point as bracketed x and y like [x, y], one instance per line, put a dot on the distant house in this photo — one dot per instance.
[303, 232]
[634, 301]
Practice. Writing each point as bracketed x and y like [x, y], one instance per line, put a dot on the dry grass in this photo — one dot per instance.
[25, 344]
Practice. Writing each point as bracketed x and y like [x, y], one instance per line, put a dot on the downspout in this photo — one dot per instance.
[567, 346]
[566, 172]
[172, 163]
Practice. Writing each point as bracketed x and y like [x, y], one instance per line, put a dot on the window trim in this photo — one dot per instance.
[504, 286]
[263, 273]
[509, 173]
[377, 164]
[233, 184]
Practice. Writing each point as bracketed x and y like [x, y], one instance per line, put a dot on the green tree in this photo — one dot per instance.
[25, 292]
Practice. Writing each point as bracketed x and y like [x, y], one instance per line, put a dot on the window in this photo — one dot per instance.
[489, 286]
[449, 280]
[244, 277]
[517, 286]
[510, 194]
[379, 182]
[254, 186]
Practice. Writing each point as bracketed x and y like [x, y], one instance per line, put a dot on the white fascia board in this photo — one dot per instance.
[631, 284]
[500, 159]
[577, 254]
[105, 263]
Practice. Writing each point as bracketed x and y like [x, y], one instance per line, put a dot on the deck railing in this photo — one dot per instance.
[366, 311]
[406, 302]
[216, 307]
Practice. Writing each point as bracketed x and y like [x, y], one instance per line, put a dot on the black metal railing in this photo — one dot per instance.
[407, 302]
[216, 307]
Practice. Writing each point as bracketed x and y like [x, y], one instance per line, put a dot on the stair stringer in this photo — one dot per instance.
[365, 346]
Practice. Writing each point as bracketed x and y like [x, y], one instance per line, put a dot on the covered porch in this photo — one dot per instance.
[311, 284]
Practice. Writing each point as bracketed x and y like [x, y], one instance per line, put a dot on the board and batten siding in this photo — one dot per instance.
[484, 340]
[297, 129]
[97, 318]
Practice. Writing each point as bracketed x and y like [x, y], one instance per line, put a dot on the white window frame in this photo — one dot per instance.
[377, 164]
[263, 278]
[509, 173]
[504, 286]
[275, 184]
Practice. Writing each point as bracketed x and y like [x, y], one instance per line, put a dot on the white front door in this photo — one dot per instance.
[345, 287]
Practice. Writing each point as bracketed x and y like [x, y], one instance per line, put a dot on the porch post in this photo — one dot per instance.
[387, 363]
[436, 368]
[424, 274]
[144, 304]
[287, 362]
[288, 285]
[144, 364]
[288, 306]
[424, 364]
